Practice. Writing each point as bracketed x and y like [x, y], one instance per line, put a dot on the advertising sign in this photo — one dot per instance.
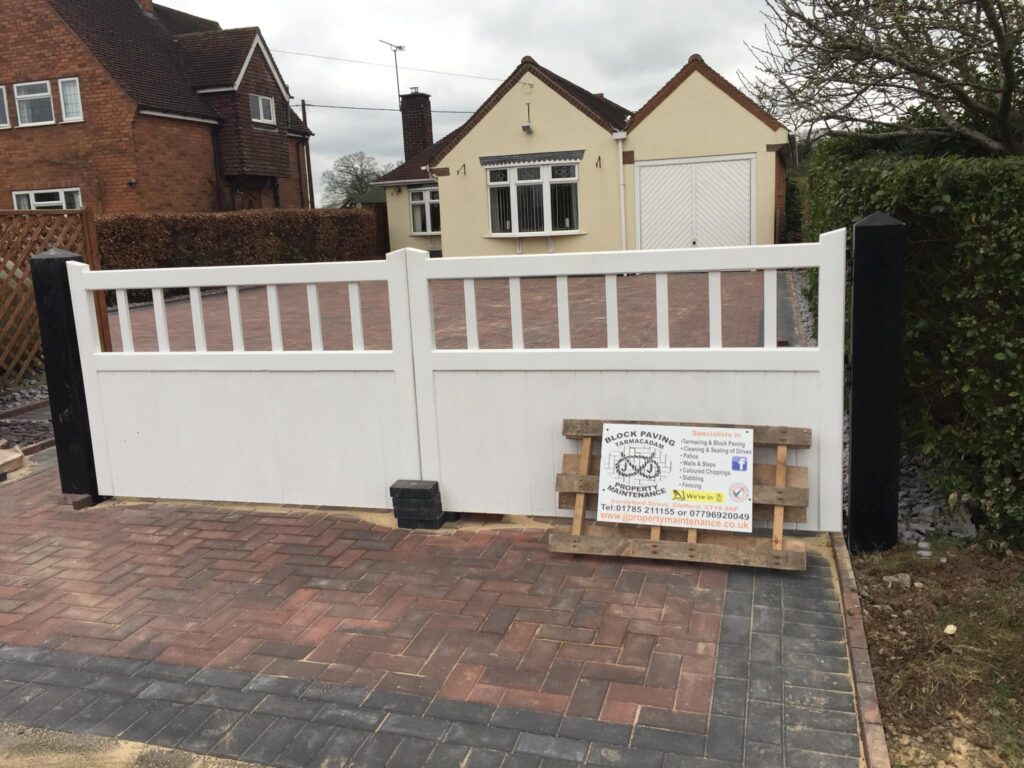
[688, 477]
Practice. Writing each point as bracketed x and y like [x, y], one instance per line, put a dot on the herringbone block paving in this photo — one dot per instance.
[469, 615]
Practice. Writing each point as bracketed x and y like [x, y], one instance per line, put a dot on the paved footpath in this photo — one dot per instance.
[314, 638]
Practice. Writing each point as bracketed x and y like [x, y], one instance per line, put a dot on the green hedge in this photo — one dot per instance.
[964, 309]
[131, 241]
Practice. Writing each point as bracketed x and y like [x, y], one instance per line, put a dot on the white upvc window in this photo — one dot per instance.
[530, 200]
[425, 206]
[261, 109]
[48, 199]
[5, 118]
[34, 103]
[70, 100]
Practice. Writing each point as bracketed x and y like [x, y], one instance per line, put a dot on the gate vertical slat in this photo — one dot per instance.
[316, 331]
[515, 297]
[274, 313]
[564, 331]
[771, 309]
[195, 298]
[163, 343]
[235, 317]
[355, 311]
[715, 309]
[469, 299]
[611, 304]
[124, 319]
[661, 308]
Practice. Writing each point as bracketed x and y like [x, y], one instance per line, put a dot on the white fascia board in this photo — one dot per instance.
[172, 116]
[258, 43]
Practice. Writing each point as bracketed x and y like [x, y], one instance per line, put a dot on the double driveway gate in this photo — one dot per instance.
[439, 393]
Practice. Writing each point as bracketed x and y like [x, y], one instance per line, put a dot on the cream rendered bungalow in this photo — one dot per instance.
[546, 166]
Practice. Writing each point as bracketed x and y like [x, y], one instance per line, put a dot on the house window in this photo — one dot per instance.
[34, 103]
[45, 199]
[534, 199]
[261, 108]
[70, 100]
[5, 119]
[425, 203]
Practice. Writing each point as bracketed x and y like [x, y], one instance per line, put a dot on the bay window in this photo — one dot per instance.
[425, 205]
[538, 199]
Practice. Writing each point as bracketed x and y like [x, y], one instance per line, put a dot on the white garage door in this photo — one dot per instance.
[695, 202]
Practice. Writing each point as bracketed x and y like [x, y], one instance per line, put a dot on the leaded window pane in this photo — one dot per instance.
[531, 173]
[71, 99]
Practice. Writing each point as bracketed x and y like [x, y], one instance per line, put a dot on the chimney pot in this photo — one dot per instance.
[417, 122]
[146, 6]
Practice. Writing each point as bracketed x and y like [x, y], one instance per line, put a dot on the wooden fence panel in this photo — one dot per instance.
[23, 234]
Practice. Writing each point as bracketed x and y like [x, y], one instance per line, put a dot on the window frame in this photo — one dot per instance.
[273, 109]
[18, 99]
[63, 109]
[430, 231]
[7, 112]
[33, 206]
[546, 182]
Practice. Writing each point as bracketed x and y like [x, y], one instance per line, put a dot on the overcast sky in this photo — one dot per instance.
[625, 49]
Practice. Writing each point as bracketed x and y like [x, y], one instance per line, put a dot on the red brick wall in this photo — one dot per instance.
[94, 155]
[170, 161]
[176, 165]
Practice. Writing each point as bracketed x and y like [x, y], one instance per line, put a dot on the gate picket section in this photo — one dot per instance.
[490, 419]
[314, 426]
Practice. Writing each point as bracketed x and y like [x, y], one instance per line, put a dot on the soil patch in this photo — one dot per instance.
[947, 698]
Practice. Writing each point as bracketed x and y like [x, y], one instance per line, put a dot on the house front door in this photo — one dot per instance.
[250, 198]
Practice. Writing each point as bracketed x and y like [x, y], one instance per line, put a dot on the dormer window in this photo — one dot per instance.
[261, 108]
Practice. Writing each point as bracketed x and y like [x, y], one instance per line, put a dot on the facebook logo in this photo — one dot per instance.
[739, 463]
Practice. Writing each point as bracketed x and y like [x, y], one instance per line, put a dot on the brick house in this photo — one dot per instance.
[124, 106]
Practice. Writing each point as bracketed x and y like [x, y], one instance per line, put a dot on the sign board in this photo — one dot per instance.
[688, 477]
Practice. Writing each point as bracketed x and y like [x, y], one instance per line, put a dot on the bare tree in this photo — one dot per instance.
[349, 177]
[879, 66]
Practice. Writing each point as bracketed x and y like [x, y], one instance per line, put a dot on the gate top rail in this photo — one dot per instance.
[241, 275]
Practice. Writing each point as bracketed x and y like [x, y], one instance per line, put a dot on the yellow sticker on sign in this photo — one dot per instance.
[706, 497]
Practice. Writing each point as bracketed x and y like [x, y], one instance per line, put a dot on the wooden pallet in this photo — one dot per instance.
[780, 496]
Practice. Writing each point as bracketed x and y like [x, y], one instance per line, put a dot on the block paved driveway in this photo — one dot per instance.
[742, 306]
[315, 638]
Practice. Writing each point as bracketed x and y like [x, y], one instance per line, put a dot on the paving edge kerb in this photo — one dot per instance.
[876, 753]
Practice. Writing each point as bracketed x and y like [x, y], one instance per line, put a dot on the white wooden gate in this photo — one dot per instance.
[337, 427]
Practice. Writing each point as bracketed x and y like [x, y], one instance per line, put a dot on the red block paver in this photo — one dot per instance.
[470, 615]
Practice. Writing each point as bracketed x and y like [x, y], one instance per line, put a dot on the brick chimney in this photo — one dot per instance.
[417, 124]
[147, 6]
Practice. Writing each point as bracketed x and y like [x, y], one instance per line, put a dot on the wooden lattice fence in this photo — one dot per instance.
[22, 235]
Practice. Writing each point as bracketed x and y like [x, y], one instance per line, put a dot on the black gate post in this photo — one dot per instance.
[876, 381]
[64, 372]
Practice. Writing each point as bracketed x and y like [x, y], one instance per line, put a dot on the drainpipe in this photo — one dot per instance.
[620, 138]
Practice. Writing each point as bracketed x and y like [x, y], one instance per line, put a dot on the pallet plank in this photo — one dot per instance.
[750, 551]
[794, 437]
